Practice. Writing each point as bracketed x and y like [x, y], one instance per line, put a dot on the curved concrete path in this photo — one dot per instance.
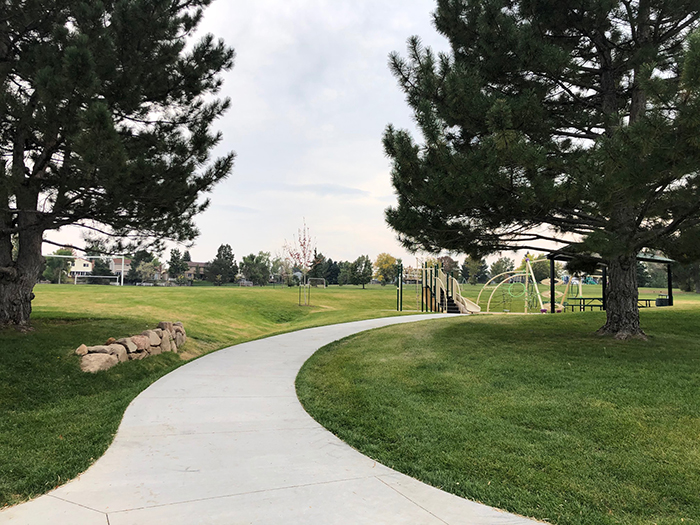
[224, 440]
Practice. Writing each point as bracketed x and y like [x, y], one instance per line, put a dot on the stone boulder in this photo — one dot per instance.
[81, 350]
[165, 345]
[155, 350]
[154, 340]
[138, 355]
[97, 362]
[99, 349]
[180, 334]
[127, 343]
[110, 341]
[142, 342]
[164, 325]
[119, 351]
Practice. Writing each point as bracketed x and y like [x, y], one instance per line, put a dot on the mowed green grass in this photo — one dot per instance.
[532, 414]
[55, 420]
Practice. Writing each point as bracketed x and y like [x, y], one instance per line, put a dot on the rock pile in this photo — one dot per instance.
[168, 337]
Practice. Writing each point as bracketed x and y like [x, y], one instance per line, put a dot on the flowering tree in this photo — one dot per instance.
[301, 252]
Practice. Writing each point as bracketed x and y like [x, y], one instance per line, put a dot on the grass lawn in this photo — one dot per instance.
[534, 415]
[55, 420]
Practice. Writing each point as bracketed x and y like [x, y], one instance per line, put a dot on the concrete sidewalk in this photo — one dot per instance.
[224, 440]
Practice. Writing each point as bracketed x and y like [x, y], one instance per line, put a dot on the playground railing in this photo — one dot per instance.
[465, 305]
[440, 293]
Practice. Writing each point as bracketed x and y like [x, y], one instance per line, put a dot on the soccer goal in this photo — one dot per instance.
[85, 276]
[317, 281]
[88, 279]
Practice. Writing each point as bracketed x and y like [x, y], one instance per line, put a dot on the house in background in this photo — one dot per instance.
[195, 270]
[80, 266]
[115, 265]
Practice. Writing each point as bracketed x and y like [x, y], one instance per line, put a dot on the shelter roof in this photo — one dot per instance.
[567, 254]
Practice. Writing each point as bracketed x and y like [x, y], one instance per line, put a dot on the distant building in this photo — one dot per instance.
[80, 266]
[195, 270]
[115, 265]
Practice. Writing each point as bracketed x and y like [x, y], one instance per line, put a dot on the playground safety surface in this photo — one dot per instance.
[224, 440]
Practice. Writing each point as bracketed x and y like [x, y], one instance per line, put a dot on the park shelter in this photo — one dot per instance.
[566, 254]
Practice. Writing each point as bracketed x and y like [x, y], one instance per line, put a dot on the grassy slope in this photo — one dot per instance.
[531, 414]
[55, 420]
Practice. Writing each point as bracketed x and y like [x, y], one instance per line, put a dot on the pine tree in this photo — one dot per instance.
[176, 265]
[106, 114]
[223, 268]
[331, 271]
[317, 266]
[550, 118]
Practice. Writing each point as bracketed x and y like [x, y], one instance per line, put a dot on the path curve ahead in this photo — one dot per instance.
[224, 440]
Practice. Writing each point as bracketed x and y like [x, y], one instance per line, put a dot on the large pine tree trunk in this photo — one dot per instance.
[621, 302]
[16, 300]
[17, 279]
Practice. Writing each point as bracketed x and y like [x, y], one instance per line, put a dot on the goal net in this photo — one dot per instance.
[317, 281]
[97, 279]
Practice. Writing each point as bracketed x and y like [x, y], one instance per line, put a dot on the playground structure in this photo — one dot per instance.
[519, 290]
[436, 290]
[509, 290]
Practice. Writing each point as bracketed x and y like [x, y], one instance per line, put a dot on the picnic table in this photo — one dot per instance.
[582, 303]
[596, 303]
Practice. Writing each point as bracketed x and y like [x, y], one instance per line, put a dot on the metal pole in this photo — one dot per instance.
[401, 284]
[122, 283]
[552, 287]
[670, 284]
[527, 284]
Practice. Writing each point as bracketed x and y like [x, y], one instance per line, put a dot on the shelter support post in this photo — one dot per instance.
[670, 284]
[605, 287]
[552, 288]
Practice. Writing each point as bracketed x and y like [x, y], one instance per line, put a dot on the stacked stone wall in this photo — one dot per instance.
[168, 337]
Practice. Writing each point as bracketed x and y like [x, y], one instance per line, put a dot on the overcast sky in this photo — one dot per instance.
[311, 95]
